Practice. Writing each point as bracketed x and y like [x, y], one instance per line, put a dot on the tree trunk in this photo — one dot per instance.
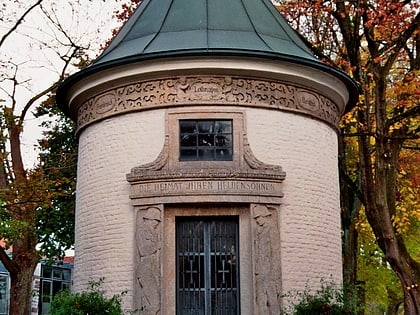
[349, 238]
[21, 281]
[350, 256]
[408, 271]
[350, 203]
[20, 291]
[24, 255]
[377, 184]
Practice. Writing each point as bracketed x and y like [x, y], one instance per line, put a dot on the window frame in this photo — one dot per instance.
[173, 135]
[57, 280]
[4, 279]
[199, 137]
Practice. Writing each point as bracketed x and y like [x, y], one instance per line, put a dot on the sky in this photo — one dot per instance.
[32, 47]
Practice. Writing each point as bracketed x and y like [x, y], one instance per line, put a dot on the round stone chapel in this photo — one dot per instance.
[207, 177]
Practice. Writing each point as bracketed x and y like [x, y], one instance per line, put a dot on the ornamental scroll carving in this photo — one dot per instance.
[210, 90]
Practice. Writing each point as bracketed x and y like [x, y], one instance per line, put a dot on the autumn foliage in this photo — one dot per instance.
[377, 42]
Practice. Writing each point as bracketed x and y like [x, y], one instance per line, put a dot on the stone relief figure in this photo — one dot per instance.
[148, 245]
[267, 259]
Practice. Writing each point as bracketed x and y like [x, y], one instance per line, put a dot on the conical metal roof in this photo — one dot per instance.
[179, 27]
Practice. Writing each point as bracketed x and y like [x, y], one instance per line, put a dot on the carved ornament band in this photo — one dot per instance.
[207, 90]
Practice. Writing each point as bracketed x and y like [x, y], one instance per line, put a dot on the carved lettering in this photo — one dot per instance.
[199, 186]
[161, 187]
[215, 187]
[308, 100]
[144, 188]
[203, 89]
[105, 103]
[251, 186]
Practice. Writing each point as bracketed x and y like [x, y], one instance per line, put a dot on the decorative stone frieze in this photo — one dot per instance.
[207, 90]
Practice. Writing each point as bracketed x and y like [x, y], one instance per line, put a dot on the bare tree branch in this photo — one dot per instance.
[412, 112]
[19, 21]
[34, 99]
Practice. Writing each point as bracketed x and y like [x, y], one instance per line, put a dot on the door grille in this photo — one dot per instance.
[207, 266]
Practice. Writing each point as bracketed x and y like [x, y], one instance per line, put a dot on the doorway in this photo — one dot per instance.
[207, 263]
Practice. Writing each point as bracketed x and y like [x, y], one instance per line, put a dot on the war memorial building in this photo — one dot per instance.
[207, 175]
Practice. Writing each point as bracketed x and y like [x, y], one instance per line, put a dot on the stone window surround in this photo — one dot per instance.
[245, 179]
[173, 118]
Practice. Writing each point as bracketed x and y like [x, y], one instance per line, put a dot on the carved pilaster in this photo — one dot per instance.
[148, 259]
[266, 248]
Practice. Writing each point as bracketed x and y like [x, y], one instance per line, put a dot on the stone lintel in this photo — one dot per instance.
[206, 185]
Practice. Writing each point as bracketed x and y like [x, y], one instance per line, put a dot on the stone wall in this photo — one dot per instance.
[309, 216]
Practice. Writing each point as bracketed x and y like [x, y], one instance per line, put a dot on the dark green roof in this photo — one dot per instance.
[178, 27]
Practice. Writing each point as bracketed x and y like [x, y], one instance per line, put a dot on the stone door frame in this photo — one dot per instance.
[259, 255]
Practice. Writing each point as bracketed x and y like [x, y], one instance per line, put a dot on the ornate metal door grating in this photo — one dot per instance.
[207, 266]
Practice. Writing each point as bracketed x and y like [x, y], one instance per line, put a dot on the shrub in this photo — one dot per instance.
[90, 302]
[326, 301]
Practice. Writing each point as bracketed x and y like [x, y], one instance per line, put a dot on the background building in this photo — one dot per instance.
[49, 278]
[4, 290]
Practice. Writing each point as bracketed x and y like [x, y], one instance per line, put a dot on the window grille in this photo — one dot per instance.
[207, 266]
[205, 140]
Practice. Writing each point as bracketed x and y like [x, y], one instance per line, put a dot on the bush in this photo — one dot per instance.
[326, 301]
[91, 302]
